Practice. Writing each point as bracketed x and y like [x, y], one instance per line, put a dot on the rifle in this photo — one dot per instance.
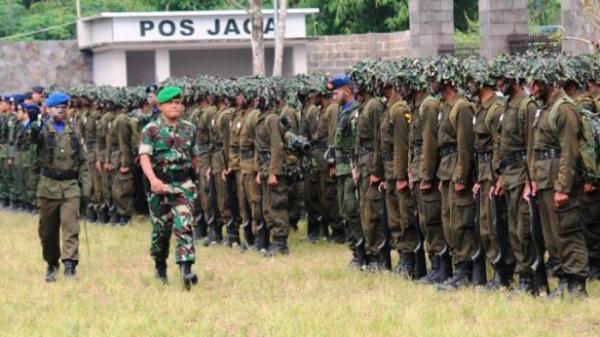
[540, 278]
[479, 274]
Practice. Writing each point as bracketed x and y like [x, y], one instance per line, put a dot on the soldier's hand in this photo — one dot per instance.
[458, 187]
[332, 171]
[560, 199]
[382, 187]
[224, 175]
[401, 185]
[108, 167]
[272, 181]
[157, 186]
[499, 189]
[476, 189]
[98, 166]
[589, 188]
[374, 180]
[425, 186]
[124, 170]
[208, 173]
[257, 179]
[527, 191]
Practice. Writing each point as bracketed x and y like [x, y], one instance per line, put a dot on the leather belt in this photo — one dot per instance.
[60, 176]
[547, 154]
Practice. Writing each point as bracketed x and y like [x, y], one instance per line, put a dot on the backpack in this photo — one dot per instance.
[589, 143]
[453, 115]
[137, 120]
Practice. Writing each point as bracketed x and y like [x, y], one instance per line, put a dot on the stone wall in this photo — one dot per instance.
[24, 64]
[497, 21]
[334, 54]
[431, 26]
[578, 28]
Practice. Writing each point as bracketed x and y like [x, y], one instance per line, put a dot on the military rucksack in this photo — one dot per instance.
[137, 120]
[453, 114]
[589, 142]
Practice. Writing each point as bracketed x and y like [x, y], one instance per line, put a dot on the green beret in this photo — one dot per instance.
[167, 94]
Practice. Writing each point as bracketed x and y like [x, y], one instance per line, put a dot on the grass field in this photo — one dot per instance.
[309, 293]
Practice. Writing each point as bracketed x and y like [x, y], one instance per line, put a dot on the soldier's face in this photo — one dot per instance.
[172, 109]
[435, 87]
[59, 113]
[151, 98]
[21, 115]
[4, 106]
[340, 95]
[240, 100]
[37, 98]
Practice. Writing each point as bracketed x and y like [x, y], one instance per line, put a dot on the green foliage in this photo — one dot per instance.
[466, 12]
[544, 12]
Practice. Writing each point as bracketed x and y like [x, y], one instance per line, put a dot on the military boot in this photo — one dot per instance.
[70, 268]
[32, 208]
[90, 213]
[187, 276]
[338, 236]
[114, 218]
[561, 290]
[51, 272]
[359, 256]
[14, 206]
[124, 220]
[462, 278]
[248, 234]
[406, 265]
[262, 240]
[104, 214]
[323, 229]
[278, 247]
[576, 287]
[5, 203]
[525, 285]
[594, 274]
[233, 236]
[312, 231]
[431, 277]
[200, 231]
[160, 271]
[373, 264]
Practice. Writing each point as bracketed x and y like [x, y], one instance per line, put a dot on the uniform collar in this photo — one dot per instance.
[515, 101]
[489, 102]
[561, 93]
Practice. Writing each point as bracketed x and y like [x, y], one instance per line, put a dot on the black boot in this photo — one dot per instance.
[187, 276]
[114, 218]
[233, 237]
[278, 247]
[200, 231]
[420, 262]
[104, 214]
[218, 231]
[323, 229]
[359, 256]
[576, 287]
[338, 236]
[262, 240]
[432, 276]
[90, 213]
[70, 268]
[5, 203]
[124, 220]
[561, 290]
[462, 278]
[525, 285]
[373, 264]
[51, 272]
[312, 231]
[248, 235]
[13, 206]
[594, 274]
[406, 265]
[160, 271]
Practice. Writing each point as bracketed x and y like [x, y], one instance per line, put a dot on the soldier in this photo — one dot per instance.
[106, 211]
[488, 110]
[399, 202]
[4, 147]
[120, 155]
[291, 119]
[272, 177]
[168, 156]
[64, 180]
[90, 121]
[138, 118]
[515, 137]
[10, 129]
[369, 172]
[234, 168]
[340, 157]
[554, 168]
[424, 165]
[24, 154]
[219, 158]
[323, 137]
[37, 94]
[455, 171]
[151, 92]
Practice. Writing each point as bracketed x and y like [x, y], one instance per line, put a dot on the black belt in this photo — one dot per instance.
[320, 145]
[547, 154]
[247, 154]
[447, 150]
[364, 150]
[484, 157]
[59, 176]
[217, 148]
[204, 148]
[175, 176]
[512, 158]
[264, 157]
[387, 156]
[234, 150]
[417, 151]
[343, 159]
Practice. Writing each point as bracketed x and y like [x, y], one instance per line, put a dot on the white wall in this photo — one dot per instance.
[110, 67]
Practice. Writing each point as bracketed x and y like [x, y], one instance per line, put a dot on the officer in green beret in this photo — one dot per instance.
[168, 156]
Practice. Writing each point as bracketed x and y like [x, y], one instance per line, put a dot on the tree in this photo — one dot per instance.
[465, 11]
[544, 12]
[280, 38]
[257, 39]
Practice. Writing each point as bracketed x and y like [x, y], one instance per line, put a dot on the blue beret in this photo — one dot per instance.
[17, 99]
[339, 81]
[57, 98]
[31, 108]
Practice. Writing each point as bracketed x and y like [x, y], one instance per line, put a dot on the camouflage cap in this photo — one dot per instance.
[446, 69]
[545, 68]
[478, 70]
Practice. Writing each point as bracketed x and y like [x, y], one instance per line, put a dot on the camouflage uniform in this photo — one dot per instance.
[9, 163]
[25, 155]
[292, 117]
[171, 149]
[4, 149]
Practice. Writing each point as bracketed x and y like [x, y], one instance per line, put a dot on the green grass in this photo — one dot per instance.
[309, 293]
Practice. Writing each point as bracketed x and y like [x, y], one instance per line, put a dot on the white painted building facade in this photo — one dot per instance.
[147, 47]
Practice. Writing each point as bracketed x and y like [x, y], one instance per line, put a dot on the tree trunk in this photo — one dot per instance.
[280, 38]
[257, 40]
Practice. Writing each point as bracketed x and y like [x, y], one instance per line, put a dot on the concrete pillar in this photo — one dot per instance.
[110, 68]
[299, 59]
[431, 25]
[162, 64]
[580, 34]
[498, 19]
